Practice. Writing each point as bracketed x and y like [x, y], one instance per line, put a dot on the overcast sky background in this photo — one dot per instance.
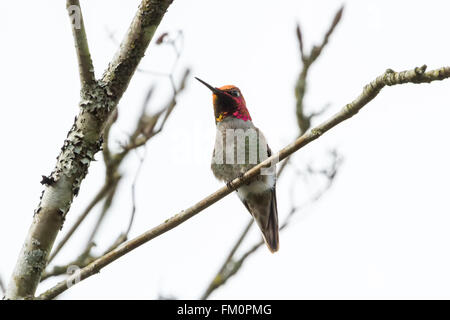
[380, 232]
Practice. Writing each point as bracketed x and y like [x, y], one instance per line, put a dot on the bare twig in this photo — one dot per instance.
[176, 44]
[219, 279]
[147, 128]
[389, 78]
[105, 146]
[83, 259]
[330, 175]
[106, 206]
[97, 198]
[133, 192]
[85, 66]
[304, 120]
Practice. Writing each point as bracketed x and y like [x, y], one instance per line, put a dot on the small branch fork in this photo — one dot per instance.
[370, 91]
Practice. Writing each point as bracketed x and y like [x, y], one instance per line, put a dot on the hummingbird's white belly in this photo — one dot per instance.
[263, 184]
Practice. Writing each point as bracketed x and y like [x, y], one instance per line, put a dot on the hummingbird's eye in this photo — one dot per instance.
[234, 93]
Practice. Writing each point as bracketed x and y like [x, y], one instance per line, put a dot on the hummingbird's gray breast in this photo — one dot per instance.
[239, 146]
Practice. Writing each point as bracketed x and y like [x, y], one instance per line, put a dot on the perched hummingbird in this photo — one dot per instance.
[239, 146]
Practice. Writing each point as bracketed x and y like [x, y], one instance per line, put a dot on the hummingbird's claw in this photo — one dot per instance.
[241, 176]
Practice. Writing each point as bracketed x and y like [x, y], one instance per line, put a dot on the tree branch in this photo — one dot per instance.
[98, 101]
[389, 78]
[85, 66]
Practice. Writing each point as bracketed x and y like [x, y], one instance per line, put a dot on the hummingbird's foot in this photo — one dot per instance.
[230, 183]
[241, 176]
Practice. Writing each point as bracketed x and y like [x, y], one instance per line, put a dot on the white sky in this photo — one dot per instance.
[380, 232]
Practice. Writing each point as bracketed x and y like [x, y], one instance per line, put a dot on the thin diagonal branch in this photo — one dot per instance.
[389, 78]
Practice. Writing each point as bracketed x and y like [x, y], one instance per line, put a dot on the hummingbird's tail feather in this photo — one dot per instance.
[270, 231]
[263, 208]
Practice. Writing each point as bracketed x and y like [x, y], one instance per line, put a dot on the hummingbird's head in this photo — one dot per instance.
[228, 101]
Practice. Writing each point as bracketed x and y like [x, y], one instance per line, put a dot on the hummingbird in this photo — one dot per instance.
[239, 146]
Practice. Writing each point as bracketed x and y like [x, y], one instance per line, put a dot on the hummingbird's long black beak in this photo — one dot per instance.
[210, 87]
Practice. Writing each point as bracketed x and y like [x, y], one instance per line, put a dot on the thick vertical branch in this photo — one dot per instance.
[133, 47]
[83, 141]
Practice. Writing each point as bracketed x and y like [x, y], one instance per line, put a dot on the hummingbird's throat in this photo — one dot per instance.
[240, 112]
[237, 114]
